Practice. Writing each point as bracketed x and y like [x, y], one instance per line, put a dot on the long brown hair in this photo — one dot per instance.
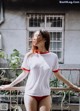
[46, 36]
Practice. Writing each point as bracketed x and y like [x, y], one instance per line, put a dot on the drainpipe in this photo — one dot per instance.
[2, 15]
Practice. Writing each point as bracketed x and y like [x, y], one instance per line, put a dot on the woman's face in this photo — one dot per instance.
[37, 39]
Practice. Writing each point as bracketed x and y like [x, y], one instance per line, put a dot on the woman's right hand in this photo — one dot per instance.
[5, 87]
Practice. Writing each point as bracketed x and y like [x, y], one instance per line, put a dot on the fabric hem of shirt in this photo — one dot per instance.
[56, 70]
[31, 94]
[37, 95]
[25, 69]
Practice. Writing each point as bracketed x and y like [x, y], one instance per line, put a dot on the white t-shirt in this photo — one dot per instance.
[40, 67]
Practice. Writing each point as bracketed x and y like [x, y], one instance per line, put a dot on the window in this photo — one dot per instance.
[53, 24]
[1, 12]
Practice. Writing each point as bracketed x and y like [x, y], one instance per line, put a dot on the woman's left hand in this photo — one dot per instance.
[75, 88]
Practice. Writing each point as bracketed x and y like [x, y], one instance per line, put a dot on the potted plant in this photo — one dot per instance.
[14, 61]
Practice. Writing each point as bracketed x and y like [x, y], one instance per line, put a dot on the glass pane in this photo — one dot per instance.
[30, 35]
[59, 35]
[54, 45]
[53, 22]
[51, 36]
[59, 54]
[54, 35]
[30, 44]
[30, 39]
[51, 45]
[37, 21]
[59, 22]
[59, 45]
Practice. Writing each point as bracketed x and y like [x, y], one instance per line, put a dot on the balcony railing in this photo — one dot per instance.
[13, 99]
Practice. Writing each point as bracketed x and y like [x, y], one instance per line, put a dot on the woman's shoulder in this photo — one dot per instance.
[28, 54]
[53, 54]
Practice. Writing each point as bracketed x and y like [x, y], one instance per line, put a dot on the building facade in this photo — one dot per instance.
[20, 19]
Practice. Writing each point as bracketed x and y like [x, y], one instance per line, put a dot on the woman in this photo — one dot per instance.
[39, 64]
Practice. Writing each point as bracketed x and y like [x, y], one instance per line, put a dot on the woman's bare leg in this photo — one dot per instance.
[45, 104]
[30, 103]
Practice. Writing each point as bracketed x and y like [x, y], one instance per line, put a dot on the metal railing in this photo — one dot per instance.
[13, 99]
[15, 102]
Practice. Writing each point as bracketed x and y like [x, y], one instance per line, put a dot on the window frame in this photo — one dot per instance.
[49, 29]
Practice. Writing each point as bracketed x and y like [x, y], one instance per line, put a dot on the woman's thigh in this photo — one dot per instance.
[30, 103]
[45, 104]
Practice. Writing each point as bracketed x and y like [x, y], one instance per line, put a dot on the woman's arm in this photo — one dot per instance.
[22, 76]
[60, 77]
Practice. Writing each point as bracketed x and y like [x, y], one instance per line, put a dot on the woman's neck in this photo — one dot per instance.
[42, 49]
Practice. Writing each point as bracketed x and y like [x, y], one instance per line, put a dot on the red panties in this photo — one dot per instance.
[39, 98]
